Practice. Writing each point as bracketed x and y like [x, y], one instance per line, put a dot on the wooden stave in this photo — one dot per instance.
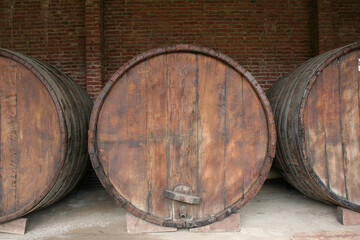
[309, 71]
[282, 121]
[82, 109]
[23, 60]
[60, 94]
[71, 165]
[127, 205]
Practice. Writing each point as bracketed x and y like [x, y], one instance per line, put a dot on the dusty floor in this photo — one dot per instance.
[277, 212]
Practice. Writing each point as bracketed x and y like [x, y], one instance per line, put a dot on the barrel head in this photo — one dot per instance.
[182, 116]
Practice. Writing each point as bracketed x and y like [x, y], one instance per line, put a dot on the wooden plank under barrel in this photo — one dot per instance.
[317, 113]
[182, 136]
[43, 134]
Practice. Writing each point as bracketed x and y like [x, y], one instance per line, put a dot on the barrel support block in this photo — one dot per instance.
[17, 226]
[348, 217]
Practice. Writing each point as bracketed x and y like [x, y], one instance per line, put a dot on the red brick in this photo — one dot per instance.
[90, 39]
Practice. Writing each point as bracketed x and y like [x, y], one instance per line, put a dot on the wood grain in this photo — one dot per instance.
[157, 127]
[182, 119]
[235, 163]
[44, 119]
[198, 124]
[332, 127]
[315, 117]
[350, 117]
[30, 136]
[212, 97]
[317, 106]
[255, 137]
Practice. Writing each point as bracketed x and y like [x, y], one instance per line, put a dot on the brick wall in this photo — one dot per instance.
[52, 30]
[314, 23]
[339, 23]
[94, 46]
[90, 39]
[266, 38]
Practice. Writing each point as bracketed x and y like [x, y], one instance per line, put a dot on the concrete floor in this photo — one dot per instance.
[277, 212]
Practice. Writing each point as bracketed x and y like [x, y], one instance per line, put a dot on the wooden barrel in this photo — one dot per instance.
[316, 108]
[182, 136]
[43, 131]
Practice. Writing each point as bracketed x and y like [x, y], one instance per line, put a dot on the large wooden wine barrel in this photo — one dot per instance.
[43, 134]
[316, 108]
[182, 136]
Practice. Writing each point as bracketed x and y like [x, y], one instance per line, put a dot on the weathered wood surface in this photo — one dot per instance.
[183, 118]
[316, 108]
[43, 134]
